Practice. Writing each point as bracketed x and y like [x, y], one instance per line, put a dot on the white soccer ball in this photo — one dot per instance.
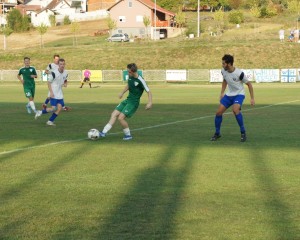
[93, 134]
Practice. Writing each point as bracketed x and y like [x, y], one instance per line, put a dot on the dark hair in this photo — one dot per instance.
[26, 58]
[61, 60]
[55, 55]
[228, 59]
[132, 66]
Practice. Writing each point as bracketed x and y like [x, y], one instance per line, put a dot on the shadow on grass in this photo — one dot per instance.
[24, 186]
[148, 209]
[284, 227]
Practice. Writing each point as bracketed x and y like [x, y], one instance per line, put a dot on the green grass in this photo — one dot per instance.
[169, 182]
[255, 45]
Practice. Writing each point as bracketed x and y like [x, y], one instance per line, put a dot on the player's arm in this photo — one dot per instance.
[124, 91]
[65, 83]
[250, 87]
[50, 80]
[34, 75]
[20, 79]
[149, 104]
[224, 85]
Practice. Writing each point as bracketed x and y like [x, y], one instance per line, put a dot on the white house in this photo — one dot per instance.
[59, 8]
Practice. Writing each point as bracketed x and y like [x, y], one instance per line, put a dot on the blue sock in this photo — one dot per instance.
[47, 100]
[52, 118]
[44, 111]
[239, 119]
[218, 122]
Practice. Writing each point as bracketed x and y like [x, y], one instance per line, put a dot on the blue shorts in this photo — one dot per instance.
[227, 101]
[54, 102]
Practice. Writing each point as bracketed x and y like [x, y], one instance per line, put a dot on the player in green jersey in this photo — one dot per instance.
[28, 75]
[136, 86]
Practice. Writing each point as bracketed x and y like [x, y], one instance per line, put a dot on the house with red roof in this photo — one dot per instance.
[129, 16]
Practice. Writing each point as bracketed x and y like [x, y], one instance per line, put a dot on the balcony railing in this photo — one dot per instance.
[161, 23]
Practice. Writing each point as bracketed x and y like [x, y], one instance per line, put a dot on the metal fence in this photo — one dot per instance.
[164, 76]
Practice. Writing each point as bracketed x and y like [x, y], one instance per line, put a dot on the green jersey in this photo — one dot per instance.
[26, 72]
[136, 88]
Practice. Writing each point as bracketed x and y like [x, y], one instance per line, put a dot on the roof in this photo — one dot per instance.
[150, 5]
[52, 5]
[28, 7]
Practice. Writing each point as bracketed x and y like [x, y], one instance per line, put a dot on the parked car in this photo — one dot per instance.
[119, 37]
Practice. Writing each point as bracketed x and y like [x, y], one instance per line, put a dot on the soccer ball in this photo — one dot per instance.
[93, 134]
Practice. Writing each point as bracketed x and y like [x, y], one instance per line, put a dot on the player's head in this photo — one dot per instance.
[132, 69]
[227, 61]
[27, 61]
[61, 64]
[56, 58]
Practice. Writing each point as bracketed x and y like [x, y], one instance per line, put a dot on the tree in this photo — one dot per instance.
[146, 21]
[180, 19]
[111, 24]
[169, 4]
[42, 29]
[235, 4]
[75, 27]
[6, 31]
[294, 6]
[17, 22]
[219, 19]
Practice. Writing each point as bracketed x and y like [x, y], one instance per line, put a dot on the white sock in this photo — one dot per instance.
[126, 131]
[31, 103]
[107, 128]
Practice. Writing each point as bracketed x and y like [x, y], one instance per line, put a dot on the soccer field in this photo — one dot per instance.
[169, 182]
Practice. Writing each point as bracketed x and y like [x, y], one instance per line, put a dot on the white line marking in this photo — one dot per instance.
[139, 129]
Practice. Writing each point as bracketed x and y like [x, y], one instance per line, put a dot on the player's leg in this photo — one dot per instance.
[225, 103]
[236, 109]
[28, 95]
[127, 112]
[47, 100]
[54, 115]
[31, 99]
[53, 108]
[111, 122]
[113, 117]
[125, 126]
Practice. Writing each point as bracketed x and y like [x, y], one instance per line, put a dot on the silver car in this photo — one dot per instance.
[119, 37]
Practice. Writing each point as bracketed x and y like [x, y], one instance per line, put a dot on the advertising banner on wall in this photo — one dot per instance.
[266, 75]
[288, 75]
[96, 75]
[176, 75]
[215, 75]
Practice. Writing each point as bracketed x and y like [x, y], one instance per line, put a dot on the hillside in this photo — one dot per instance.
[32, 38]
[255, 45]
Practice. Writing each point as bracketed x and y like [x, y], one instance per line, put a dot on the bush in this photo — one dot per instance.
[52, 20]
[67, 20]
[267, 12]
[236, 17]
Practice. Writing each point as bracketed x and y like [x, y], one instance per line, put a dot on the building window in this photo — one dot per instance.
[129, 4]
[122, 18]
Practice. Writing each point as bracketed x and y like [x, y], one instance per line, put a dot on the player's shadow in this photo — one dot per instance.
[148, 208]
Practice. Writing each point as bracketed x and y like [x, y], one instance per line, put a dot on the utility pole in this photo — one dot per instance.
[198, 25]
[155, 20]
